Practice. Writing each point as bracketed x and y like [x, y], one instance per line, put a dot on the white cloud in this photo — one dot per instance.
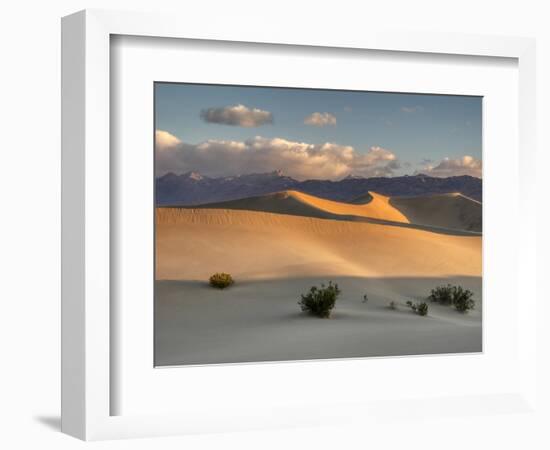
[318, 119]
[237, 115]
[299, 160]
[163, 139]
[448, 167]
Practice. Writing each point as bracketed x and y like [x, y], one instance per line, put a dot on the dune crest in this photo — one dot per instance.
[375, 206]
[451, 211]
[296, 203]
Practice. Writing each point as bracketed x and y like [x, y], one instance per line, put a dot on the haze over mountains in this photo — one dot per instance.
[192, 188]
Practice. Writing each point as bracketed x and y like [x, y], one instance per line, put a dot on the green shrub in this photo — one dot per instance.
[462, 299]
[457, 296]
[221, 280]
[419, 308]
[442, 295]
[422, 308]
[320, 301]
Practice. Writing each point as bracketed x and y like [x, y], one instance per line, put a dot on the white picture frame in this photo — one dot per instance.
[87, 328]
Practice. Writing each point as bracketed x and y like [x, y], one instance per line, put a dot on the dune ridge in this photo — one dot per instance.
[443, 211]
[300, 204]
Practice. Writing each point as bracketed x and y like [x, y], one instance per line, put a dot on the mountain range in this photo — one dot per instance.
[192, 188]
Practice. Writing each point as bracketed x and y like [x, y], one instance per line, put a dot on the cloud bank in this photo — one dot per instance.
[237, 115]
[318, 119]
[299, 160]
[448, 167]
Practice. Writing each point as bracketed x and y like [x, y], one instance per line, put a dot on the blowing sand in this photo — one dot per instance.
[275, 256]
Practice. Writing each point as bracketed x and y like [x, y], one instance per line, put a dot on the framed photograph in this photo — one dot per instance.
[257, 235]
[251, 218]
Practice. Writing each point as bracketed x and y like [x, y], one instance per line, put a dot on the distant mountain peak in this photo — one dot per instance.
[351, 176]
[193, 176]
[168, 175]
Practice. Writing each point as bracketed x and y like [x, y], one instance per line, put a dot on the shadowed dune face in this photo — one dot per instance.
[194, 243]
[452, 211]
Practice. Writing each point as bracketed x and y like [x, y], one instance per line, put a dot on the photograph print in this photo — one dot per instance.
[312, 224]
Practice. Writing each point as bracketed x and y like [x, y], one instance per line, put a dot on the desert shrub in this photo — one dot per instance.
[392, 305]
[365, 298]
[442, 295]
[457, 296]
[420, 308]
[221, 280]
[462, 299]
[320, 301]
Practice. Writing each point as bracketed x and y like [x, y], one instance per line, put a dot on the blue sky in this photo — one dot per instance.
[419, 131]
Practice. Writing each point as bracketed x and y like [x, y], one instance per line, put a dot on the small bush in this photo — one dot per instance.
[457, 296]
[365, 298]
[320, 301]
[462, 299]
[442, 295]
[419, 308]
[422, 308]
[392, 305]
[221, 280]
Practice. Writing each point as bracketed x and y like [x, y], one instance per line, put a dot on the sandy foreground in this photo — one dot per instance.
[274, 257]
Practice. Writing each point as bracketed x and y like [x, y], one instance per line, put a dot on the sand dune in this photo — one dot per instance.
[193, 243]
[446, 211]
[299, 204]
[454, 211]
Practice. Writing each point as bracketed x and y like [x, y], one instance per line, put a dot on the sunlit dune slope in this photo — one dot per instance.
[194, 243]
[452, 211]
[296, 203]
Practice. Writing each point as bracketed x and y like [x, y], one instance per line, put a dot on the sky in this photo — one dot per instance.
[219, 130]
